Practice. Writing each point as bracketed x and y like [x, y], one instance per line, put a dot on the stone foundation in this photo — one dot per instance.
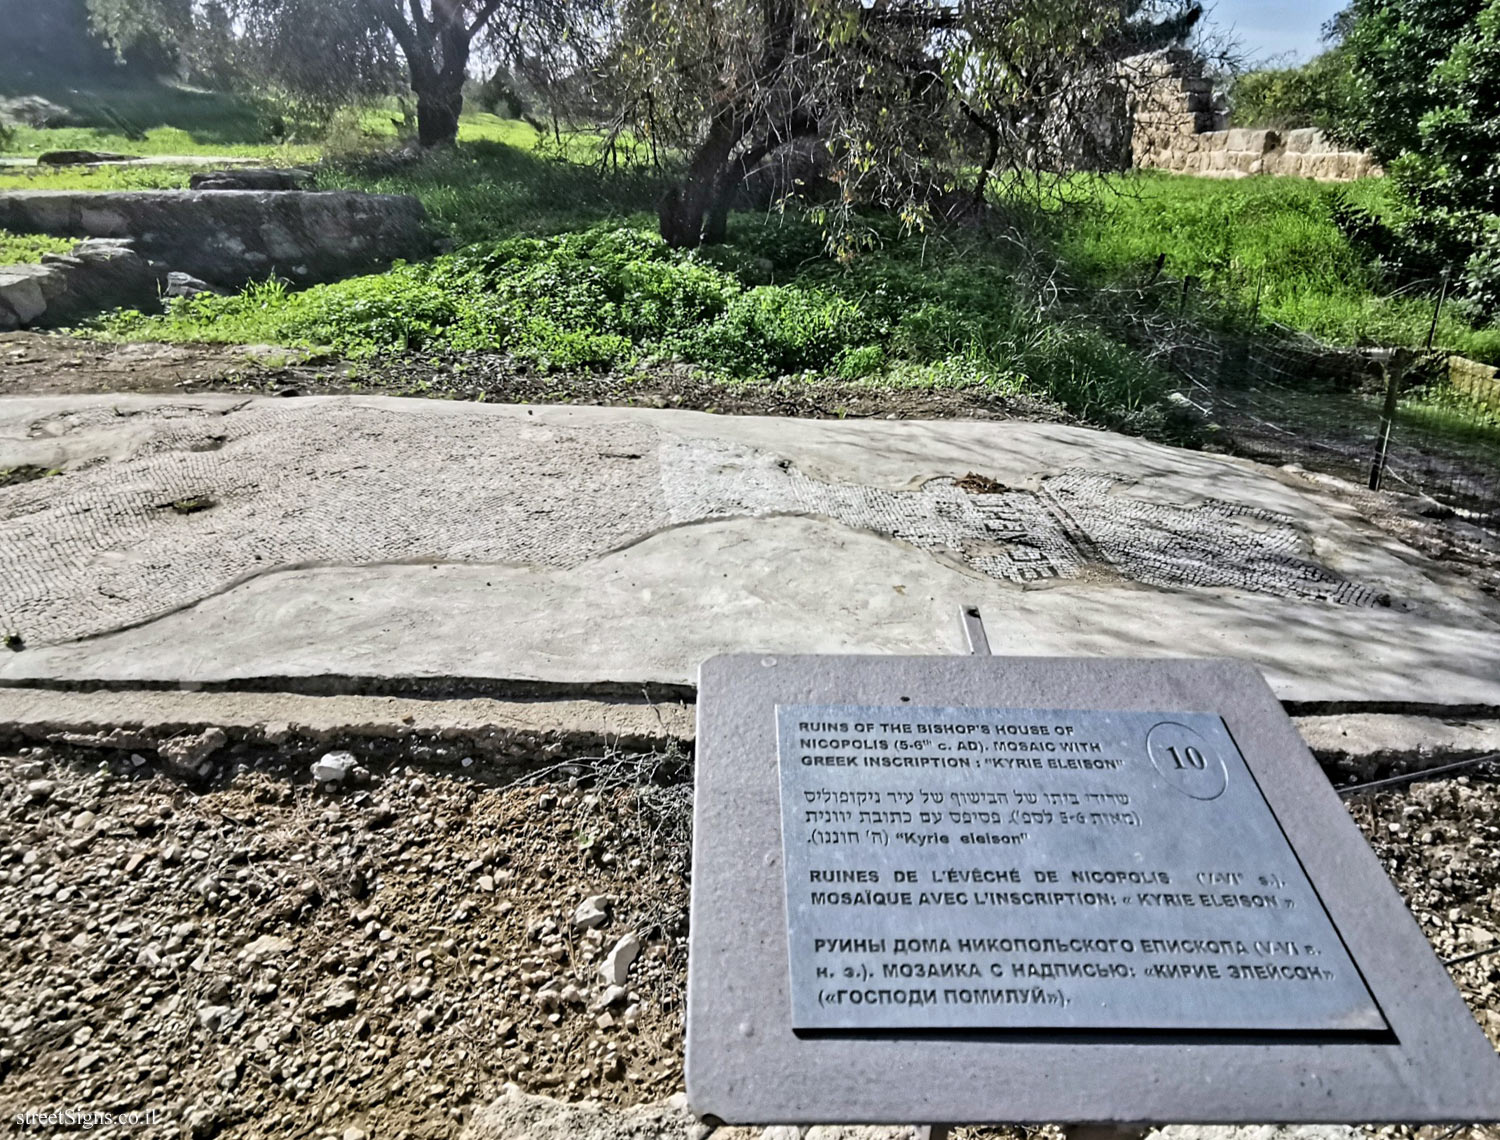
[1239, 153]
[1481, 382]
[65, 288]
[1179, 125]
[229, 237]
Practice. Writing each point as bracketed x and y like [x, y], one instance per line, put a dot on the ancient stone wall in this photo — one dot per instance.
[1171, 100]
[1480, 382]
[1180, 126]
[1236, 153]
[65, 288]
[229, 237]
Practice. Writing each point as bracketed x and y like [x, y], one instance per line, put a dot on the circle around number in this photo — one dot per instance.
[1187, 761]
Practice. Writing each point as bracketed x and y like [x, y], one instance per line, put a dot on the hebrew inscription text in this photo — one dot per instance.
[964, 868]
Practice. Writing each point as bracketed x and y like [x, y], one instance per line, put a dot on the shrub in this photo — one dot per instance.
[773, 330]
[1426, 74]
[859, 363]
[1317, 94]
[610, 296]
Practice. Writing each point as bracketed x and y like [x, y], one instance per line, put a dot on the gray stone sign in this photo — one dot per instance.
[971, 890]
[1045, 868]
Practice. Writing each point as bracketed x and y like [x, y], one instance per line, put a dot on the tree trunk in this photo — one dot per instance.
[732, 175]
[697, 210]
[438, 109]
[991, 132]
[716, 224]
[438, 65]
[685, 208]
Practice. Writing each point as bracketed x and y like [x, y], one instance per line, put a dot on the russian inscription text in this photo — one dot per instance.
[1038, 868]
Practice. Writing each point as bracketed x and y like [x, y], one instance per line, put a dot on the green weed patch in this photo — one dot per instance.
[95, 177]
[767, 307]
[1267, 248]
[27, 249]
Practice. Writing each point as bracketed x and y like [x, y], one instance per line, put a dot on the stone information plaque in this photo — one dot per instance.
[992, 869]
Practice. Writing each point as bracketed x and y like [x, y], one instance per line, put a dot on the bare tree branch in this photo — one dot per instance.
[483, 17]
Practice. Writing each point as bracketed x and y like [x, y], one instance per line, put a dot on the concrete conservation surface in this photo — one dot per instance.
[221, 540]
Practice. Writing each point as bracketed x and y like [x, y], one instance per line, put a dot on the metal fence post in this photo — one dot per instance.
[1394, 367]
[1437, 311]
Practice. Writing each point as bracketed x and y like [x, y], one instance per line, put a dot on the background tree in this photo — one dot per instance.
[44, 42]
[436, 38]
[899, 94]
[309, 57]
[1319, 93]
[1426, 101]
[324, 53]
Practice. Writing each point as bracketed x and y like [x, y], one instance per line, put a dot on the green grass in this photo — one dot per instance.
[1453, 416]
[1267, 247]
[1264, 248]
[490, 189]
[148, 118]
[559, 267]
[764, 306]
[96, 177]
[29, 142]
[23, 249]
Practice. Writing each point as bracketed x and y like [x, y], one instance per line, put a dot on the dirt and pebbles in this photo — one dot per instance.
[270, 957]
[265, 956]
[54, 364]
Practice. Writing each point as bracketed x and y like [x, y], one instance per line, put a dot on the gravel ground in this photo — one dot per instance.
[266, 956]
[1439, 840]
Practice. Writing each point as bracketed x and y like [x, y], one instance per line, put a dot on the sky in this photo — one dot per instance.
[1268, 29]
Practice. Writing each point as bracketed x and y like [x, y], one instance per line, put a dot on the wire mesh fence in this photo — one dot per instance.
[1446, 442]
[1418, 423]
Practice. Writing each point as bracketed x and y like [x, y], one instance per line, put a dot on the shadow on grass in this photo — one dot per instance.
[131, 108]
[484, 191]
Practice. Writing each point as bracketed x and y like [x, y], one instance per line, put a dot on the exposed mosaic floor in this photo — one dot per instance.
[209, 497]
[1075, 518]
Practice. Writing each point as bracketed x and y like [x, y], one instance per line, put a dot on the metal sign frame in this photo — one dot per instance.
[746, 1065]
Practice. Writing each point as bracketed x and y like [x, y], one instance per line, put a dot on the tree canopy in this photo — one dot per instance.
[892, 102]
[896, 96]
[1316, 94]
[325, 53]
[52, 43]
[1426, 100]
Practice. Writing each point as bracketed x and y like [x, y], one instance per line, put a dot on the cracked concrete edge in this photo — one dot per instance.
[135, 719]
[519, 1114]
[534, 1117]
[1352, 746]
[1366, 743]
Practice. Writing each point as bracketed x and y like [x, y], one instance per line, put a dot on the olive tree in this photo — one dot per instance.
[901, 95]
